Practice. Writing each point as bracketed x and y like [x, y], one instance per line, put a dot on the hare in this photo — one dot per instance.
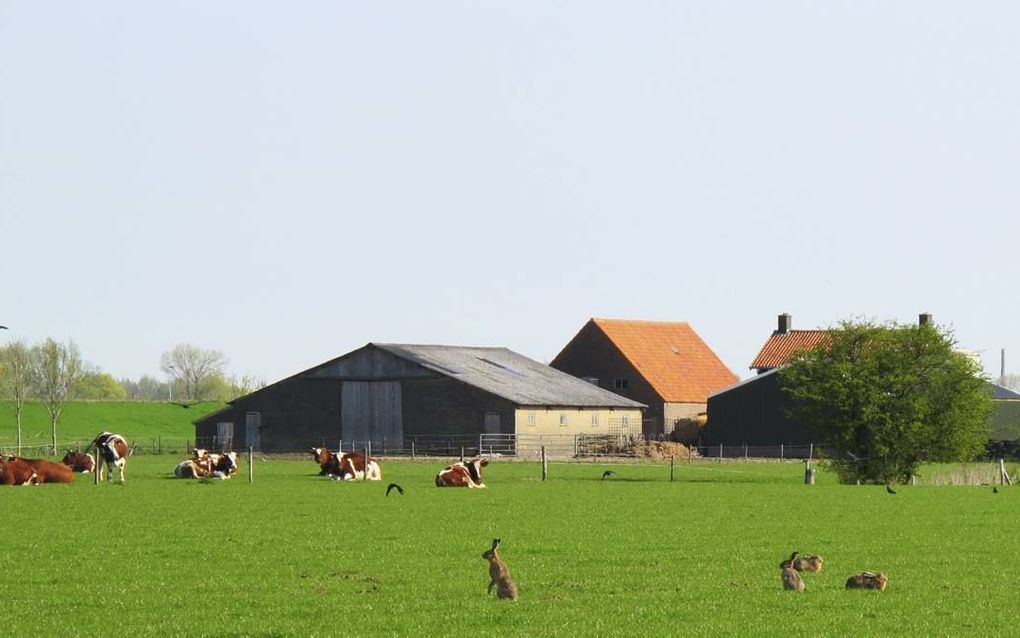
[808, 563]
[867, 580]
[499, 575]
[791, 579]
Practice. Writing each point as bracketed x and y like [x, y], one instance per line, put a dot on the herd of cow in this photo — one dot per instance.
[112, 451]
[355, 466]
[111, 448]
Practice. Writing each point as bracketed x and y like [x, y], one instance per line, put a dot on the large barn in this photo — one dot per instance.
[663, 364]
[390, 395]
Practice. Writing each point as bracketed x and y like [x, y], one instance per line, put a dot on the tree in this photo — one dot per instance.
[193, 368]
[57, 367]
[889, 397]
[147, 388]
[16, 362]
[98, 386]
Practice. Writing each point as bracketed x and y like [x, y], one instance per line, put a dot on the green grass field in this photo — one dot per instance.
[140, 422]
[296, 554]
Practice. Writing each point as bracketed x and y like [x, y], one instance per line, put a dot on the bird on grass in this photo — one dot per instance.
[888, 488]
[995, 490]
[394, 486]
[607, 473]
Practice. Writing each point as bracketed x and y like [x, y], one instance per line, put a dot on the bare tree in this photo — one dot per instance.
[16, 364]
[57, 366]
[193, 368]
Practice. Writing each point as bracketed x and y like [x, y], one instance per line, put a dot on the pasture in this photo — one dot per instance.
[297, 554]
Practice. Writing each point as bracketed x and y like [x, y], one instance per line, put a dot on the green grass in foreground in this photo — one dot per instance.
[296, 554]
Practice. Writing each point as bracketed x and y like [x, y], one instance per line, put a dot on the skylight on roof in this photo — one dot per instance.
[517, 373]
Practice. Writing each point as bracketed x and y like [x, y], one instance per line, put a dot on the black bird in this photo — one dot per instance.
[995, 490]
[394, 486]
[4, 328]
[888, 488]
[607, 473]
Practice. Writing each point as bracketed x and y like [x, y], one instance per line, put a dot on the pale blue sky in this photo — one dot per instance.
[287, 181]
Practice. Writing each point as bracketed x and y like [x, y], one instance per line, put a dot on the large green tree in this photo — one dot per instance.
[888, 397]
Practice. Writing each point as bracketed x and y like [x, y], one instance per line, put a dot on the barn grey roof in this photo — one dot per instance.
[1003, 393]
[507, 374]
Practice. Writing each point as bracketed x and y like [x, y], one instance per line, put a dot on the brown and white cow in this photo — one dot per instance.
[323, 457]
[79, 462]
[14, 471]
[50, 472]
[462, 474]
[353, 466]
[203, 465]
[112, 449]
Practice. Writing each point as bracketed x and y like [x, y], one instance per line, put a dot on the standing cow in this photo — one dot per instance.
[462, 474]
[112, 449]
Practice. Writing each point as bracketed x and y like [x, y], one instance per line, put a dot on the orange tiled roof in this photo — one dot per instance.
[780, 347]
[671, 357]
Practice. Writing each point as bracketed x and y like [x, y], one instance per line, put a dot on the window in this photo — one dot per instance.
[594, 420]
[620, 383]
[626, 420]
[531, 418]
[563, 419]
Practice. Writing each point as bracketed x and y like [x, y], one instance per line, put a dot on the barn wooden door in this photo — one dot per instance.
[370, 411]
[252, 430]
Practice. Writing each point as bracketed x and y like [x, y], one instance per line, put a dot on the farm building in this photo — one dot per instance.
[664, 365]
[394, 394]
[754, 412]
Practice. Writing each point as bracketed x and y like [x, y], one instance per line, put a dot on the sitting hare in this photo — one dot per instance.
[499, 575]
[791, 579]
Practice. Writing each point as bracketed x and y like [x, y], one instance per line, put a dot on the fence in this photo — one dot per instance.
[809, 451]
[153, 445]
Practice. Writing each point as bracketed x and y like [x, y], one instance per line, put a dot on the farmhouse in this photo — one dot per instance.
[662, 364]
[390, 395]
[755, 411]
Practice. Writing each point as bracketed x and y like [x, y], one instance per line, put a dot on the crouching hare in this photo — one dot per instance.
[499, 575]
[867, 580]
[791, 579]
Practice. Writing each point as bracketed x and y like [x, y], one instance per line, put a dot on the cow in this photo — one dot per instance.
[112, 449]
[203, 464]
[322, 456]
[353, 467]
[15, 471]
[191, 468]
[79, 462]
[462, 474]
[50, 472]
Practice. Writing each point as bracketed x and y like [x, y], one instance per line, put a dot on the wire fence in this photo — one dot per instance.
[152, 445]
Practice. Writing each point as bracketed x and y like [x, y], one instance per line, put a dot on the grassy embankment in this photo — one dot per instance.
[296, 554]
[141, 422]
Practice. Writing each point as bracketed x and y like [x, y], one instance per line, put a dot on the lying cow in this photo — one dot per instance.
[206, 465]
[462, 474]
[346, 467]
[79, 462]
[15, 471]
[50, 472]
[111, 449]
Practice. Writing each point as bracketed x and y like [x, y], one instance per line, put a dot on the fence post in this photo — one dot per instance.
[368, 455]
[545, 466]
[811, 452]
[745, 451]
[671, 469]
[97, 470]
[251, 454]
[413, 458]
[462, 454]
[782, 454]
[720, 451]
[479, 445]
